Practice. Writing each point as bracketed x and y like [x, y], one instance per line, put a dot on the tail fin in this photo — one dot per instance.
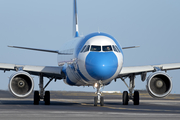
[75, 19]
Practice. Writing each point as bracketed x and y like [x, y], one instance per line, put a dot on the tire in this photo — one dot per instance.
[95, 101]
[136, 97]
[102, 101]
[47, 98]
[125, 98]
[36, 98]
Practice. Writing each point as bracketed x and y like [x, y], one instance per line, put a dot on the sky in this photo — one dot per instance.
[154, 25]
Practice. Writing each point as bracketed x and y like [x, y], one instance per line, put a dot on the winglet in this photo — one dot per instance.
[76, 19]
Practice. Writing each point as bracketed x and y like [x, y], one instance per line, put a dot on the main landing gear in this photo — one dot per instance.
[37, 98]
[125, 97]
[98, 99]
[38, 95]
[135, 96]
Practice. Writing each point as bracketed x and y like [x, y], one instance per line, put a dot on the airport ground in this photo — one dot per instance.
[79, 106]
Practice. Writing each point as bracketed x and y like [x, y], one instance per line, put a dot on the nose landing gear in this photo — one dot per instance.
[98, 99]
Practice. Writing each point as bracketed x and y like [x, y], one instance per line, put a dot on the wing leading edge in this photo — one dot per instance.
[47, 71]
[151, 68]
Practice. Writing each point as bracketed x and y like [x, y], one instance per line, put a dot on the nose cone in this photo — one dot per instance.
[101, 65]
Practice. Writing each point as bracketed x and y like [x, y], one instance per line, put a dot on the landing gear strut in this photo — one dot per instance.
[38, 95]
[126, 97]
[98, 99]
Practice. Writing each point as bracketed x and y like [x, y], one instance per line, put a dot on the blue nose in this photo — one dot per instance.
[101, 65]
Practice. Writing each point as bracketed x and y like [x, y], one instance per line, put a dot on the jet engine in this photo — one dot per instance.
[159, 84]
[21, 84]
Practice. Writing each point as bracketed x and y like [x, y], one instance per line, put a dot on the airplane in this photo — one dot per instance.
[93, 60]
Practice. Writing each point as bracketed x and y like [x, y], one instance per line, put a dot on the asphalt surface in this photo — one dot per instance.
[79, 105]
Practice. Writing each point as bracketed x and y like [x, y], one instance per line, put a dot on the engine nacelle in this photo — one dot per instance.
[159, 84]
[21, 84]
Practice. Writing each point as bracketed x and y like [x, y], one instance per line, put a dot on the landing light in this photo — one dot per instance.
[95, 85]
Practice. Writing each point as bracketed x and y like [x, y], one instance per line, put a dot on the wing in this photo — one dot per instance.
[47, 71]
[138, 70]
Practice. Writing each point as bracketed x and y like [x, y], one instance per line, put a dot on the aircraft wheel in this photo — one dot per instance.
[136, 98]
[125, 98]
[36, 98]
[102, 101]
[95, 101]
[47, 98]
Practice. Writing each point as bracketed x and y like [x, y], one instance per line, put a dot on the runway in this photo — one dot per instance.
[79, 105]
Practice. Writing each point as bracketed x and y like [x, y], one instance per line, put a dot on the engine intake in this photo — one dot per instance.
[21, 84]
[159, 84]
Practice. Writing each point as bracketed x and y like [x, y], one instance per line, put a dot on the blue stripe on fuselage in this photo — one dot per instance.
[69, 82]
[82, 76]
[65, 72]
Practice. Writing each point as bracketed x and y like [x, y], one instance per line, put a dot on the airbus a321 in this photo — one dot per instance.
[92, 60]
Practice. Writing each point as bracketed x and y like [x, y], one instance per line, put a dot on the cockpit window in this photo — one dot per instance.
[107, 48]
[83, 48]
[95, 48]
[86, 48]
[116, 49]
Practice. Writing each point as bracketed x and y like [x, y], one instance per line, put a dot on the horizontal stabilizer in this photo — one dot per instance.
[43, 50]
[130, 47]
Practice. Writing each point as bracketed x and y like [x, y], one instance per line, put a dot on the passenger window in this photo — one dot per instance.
[95, 48]
[107, 48]
[87, 48]
[83, 48]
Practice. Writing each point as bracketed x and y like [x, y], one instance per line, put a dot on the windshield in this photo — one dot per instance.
[95, 48]
[107, 48]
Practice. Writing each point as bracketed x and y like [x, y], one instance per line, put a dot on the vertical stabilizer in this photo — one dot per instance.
[75, 19]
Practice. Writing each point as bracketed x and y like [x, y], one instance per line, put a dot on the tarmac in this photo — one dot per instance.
[79, 105]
